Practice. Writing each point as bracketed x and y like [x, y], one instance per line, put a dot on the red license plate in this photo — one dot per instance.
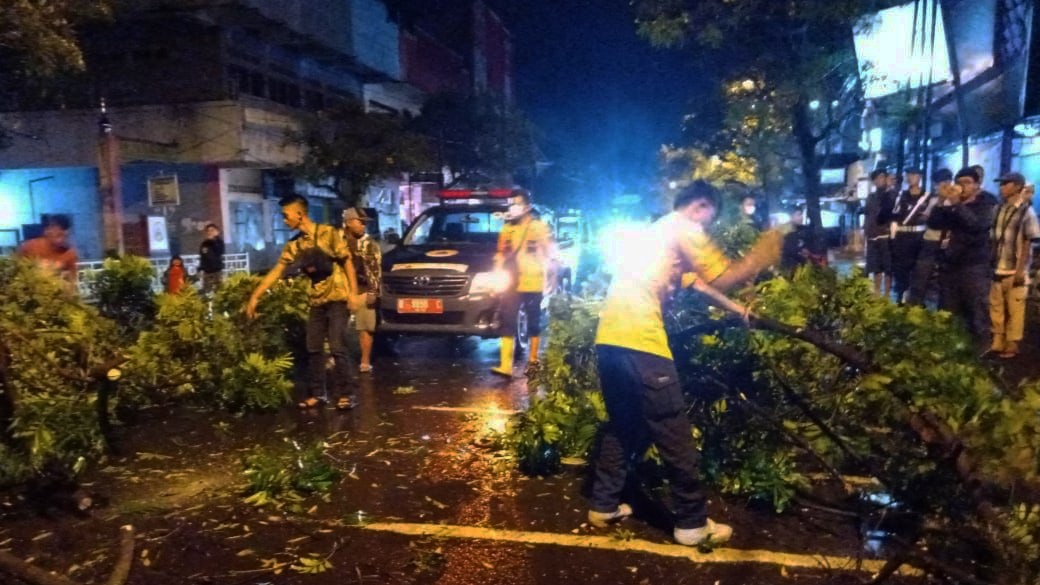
[422, 306]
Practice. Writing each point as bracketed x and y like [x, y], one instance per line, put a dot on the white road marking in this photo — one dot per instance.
[467, 409]
[717, 556]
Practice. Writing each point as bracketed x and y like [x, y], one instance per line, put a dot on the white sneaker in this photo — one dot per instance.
[365, 368]
[709, 533]
[604, 519]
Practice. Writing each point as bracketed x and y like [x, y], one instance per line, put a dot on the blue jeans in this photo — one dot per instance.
[645, 404]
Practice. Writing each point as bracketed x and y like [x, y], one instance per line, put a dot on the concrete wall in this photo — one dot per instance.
[72, 191]
[325, 20]
[200, 201]
[234, 133]
[146, 61]
[375, 40]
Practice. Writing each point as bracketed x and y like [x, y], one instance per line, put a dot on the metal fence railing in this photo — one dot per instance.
[232, 263]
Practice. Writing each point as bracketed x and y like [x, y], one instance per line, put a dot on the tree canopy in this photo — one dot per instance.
[786, 73]
[38, 38]
[478, 133]
[346, 149]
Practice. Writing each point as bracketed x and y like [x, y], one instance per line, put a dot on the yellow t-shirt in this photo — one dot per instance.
[532, 237]
[631, 316]
[336, 287]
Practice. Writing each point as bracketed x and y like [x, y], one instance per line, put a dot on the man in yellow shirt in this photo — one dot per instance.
[524, 250]
[323, 256]
[637, 374]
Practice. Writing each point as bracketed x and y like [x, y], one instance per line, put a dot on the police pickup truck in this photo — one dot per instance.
[441, 279]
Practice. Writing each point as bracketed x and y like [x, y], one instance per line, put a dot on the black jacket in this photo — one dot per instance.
[211, 255]
[968, 225]
[877, 213]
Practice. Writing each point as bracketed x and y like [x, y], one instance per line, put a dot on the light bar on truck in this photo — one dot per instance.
[474, 193]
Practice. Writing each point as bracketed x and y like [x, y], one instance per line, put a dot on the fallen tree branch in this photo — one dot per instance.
[34, 575]
[126, 556]
[29, 573]
[929, 428]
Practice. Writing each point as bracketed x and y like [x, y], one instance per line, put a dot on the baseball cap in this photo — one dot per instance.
[942, 175]
[355, 213]
[1015, 178]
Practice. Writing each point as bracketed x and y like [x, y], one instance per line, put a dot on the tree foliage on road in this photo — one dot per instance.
[786, 73]
[833, 382]
[346, 150]
[61, 360]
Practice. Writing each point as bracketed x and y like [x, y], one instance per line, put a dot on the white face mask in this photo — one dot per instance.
[515, 211]
[749, 209]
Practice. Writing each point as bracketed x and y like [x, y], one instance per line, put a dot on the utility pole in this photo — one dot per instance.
[109, 185]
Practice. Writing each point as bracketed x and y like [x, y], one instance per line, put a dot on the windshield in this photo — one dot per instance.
[456, 227]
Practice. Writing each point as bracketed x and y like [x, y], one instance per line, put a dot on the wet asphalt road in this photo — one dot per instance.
[414, 461]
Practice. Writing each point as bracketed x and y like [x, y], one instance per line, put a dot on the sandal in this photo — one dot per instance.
[344, 403]
[311, 402]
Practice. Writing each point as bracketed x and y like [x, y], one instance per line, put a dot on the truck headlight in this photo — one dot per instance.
[490, 282]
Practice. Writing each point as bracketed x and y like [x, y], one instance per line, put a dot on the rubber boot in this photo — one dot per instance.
[532, 353]
[506, 352]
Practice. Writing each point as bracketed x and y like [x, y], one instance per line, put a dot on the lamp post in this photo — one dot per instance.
[109, 185]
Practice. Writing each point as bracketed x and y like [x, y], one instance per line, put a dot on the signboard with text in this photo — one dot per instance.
[164, 190]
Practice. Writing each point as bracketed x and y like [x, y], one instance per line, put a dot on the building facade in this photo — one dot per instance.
[201, 101]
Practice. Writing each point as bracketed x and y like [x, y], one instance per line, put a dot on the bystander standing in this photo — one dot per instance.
[877, 215]
[175, 276]
[211, 259]
[965, 273]
[1012, 236]
[367, 259]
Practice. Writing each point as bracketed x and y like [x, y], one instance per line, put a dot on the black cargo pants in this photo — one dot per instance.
[645, 405]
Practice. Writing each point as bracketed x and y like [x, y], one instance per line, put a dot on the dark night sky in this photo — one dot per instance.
[602, 96]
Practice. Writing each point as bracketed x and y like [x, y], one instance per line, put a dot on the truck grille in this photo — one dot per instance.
[426, 285]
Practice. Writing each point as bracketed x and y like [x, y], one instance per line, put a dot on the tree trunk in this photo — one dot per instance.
[807, 142]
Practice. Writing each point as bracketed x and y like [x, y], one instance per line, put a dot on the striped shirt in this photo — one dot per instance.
[1015, 224]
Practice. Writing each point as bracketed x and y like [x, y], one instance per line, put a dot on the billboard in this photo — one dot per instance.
[902, 48]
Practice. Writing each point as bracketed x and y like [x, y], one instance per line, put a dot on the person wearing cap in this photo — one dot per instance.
[922, 277]
[368, 260]
[965, 272]
[524, 250]
[1012, 236]
[907, 231]
[877, 216]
